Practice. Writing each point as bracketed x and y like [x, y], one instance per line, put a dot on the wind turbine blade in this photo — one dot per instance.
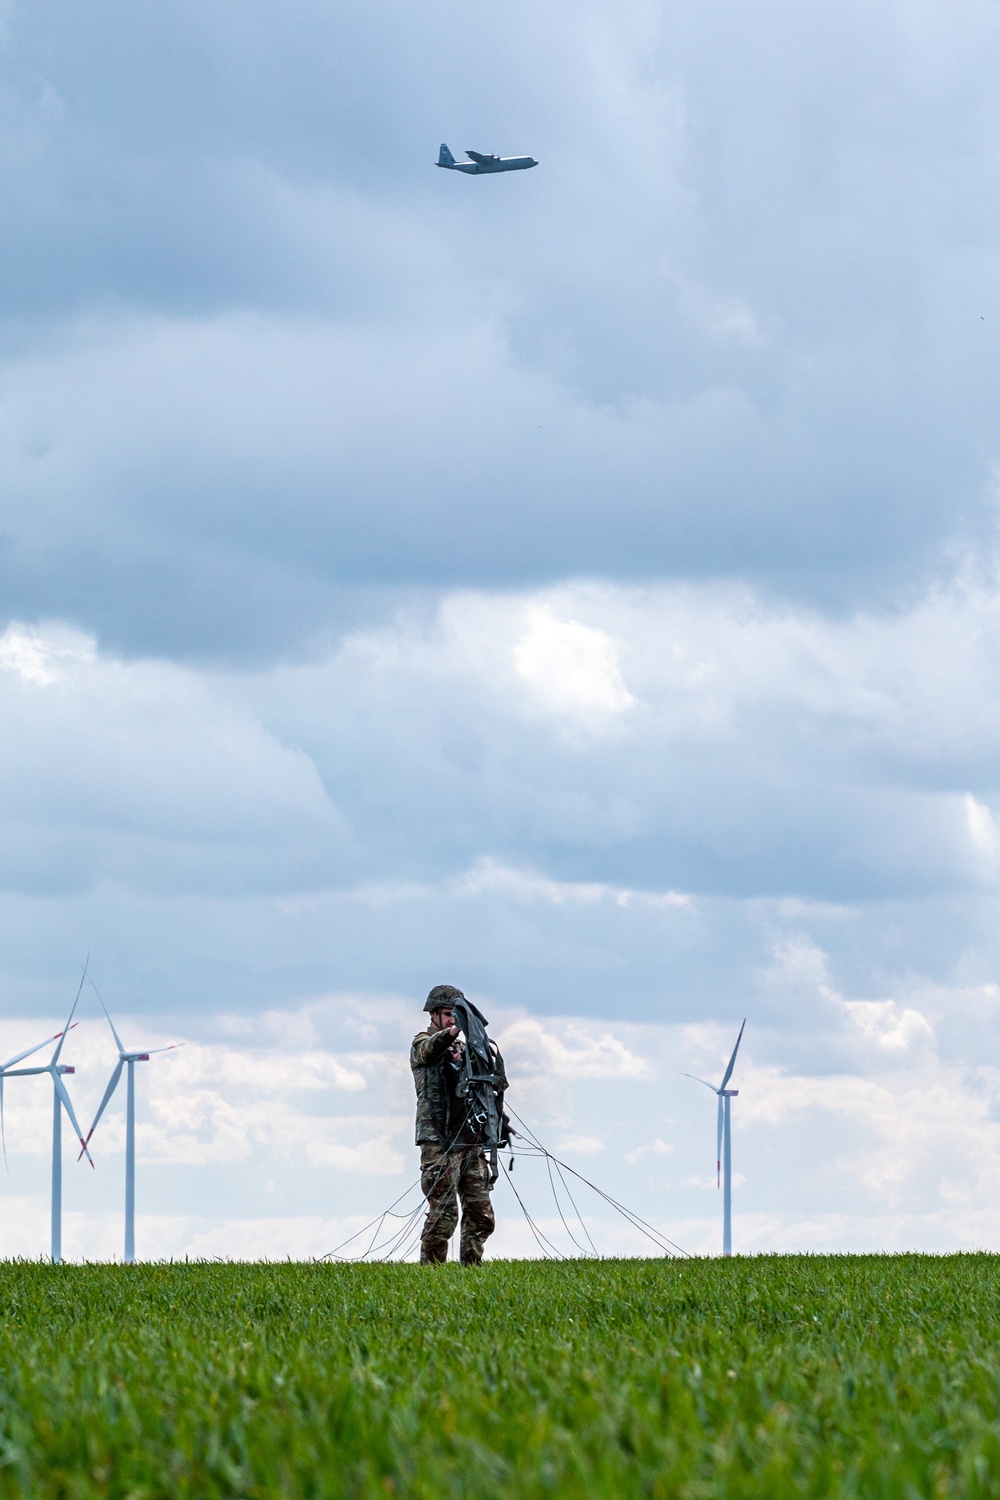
[68, 1107]
[62, 1038]
[152, 1051]
[113, 1084]
[118, 1040]
[36, 1048]
[732, 1061]
[701, 1080]
[718, 1144]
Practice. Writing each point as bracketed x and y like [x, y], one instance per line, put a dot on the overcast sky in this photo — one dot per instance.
[580, 586]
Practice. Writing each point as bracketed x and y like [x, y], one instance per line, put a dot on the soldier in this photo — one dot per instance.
[452, 1164]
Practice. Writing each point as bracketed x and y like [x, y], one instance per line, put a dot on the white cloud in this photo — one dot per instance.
[580, 1145]
[573, 668]
[894, 1028]
[569, 1050]
[657, 1148]
[490, 876]
[982, 829]
[266, 1072]
[41, 655]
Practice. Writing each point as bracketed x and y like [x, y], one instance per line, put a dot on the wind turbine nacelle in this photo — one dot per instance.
[67, 1070]
[142, 1057]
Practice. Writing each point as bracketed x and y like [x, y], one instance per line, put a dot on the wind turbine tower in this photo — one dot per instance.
[724, 1144]
[125, 1060]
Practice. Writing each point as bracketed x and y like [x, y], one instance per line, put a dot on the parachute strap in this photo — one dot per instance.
[483, 1081]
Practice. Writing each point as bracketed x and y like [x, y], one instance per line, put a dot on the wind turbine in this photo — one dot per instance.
[60, 1101]
[129, 1060]
[724, 1144]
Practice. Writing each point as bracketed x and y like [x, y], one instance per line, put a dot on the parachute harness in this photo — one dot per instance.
[481, 1084]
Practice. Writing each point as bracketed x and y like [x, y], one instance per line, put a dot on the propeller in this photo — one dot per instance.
[732, 1061]
[62, 1034]
[113, 1084]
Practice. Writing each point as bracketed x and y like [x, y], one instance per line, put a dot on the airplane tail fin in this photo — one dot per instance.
[445, 158]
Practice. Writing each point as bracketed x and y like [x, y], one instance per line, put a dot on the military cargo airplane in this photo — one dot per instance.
[481, 163]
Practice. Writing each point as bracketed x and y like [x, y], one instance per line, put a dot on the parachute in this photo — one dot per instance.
[481, 1083]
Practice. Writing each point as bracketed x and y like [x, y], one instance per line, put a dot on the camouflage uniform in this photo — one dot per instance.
[447, 1177]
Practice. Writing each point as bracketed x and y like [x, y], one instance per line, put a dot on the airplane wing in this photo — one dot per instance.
[480, 156]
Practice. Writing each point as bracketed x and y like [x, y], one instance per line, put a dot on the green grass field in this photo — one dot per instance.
[778, 1376]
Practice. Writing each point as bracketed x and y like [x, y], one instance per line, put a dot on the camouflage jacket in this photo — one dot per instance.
[435, 1086]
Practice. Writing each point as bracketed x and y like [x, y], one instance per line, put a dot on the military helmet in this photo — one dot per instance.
[441, 996]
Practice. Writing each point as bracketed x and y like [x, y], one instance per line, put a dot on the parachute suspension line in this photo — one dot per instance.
[373, 1244]
[555, 1199]
[400, 1234]
[404, 1239]
[386, 1214]
[668, 1246]
[661, 1240]
[399, 1240]
[548, 1250]
[572, 1200]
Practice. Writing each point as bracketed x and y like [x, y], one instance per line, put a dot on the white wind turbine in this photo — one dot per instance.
[724, 1144]
[129, 1060]
[60, 1101]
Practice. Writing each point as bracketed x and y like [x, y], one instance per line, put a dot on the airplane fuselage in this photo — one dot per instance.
[495, 164]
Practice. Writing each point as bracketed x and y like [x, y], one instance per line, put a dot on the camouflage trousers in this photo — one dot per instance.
[447, 1178]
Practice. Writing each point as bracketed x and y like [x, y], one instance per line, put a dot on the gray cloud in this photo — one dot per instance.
[261, 354]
